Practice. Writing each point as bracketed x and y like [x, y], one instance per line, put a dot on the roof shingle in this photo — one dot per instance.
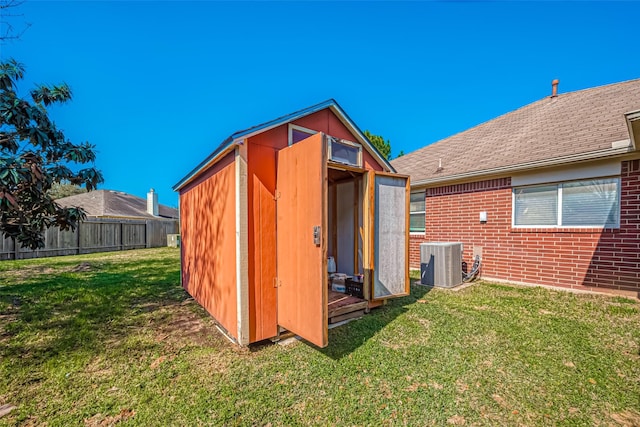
[572, 123]
[109, 203]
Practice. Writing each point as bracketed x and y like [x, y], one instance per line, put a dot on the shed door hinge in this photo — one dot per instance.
[276, 283]
[277, 195]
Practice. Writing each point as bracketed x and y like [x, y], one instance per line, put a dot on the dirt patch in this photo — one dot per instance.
[98, 369]
[626, 418]
[6, 409]
[156, 363]
[28, 272]
[456, 420]
[82, 267]
[184, 326]
[499, 400]
[99, 420]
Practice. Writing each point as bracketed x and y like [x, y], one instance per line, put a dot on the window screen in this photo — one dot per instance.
[298, 135]
[592, 202]
[536, 206]
[417, 212]
[345, 153]
[586, 203]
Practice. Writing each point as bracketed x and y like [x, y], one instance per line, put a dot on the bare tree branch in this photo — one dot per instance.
[7, 31]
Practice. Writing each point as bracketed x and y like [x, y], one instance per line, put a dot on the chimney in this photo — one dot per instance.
[554, 88]
[152, 203]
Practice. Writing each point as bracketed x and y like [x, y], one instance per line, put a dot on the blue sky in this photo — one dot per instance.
[158, 85]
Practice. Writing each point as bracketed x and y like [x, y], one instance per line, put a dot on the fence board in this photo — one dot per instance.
[96, 235]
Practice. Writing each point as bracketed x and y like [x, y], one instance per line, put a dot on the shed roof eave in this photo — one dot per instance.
[205, 164]
[238, 137]
[592, 155]
[333, 105]
[346, 120]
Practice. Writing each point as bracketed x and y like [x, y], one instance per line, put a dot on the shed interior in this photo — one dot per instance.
[345, 241]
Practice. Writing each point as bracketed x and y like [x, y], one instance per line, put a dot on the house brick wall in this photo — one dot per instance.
[588, 259]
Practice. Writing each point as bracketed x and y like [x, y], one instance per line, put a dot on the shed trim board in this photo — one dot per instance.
[242, 250]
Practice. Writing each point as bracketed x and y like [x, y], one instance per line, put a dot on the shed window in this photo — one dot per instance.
[417, 212]
[298, 133]
[585, 203]
[347, 152]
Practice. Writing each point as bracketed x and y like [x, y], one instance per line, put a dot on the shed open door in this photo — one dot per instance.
[301, 239]
[390, 232]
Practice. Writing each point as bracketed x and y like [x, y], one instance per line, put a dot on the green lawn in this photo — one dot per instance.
[112, 338]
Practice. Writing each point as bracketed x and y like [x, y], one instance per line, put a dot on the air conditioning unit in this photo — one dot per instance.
[441, 264]
[173, 240]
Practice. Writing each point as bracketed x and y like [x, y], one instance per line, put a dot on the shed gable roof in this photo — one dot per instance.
[109, 203]
[573, 124]
[254, 130]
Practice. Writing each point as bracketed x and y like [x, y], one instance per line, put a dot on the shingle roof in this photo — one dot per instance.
[572, 123]
[224, 145]
[109, 203]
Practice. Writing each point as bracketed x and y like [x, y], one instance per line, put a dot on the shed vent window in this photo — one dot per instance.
[586, 203]
[417, 212]
[341, 151]
[298, 133]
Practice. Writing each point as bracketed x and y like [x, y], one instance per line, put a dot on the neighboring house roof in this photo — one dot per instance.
[115, 204]
[570, 127]
[237, 137]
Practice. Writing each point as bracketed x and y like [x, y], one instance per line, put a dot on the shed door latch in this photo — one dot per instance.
[316, 235]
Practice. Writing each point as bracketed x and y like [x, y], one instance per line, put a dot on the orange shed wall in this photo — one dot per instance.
[208, 223]
[261, 170]
[262, 165]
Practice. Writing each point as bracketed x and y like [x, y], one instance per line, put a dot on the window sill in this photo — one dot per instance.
[585, 230]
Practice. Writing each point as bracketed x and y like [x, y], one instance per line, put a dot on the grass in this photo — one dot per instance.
[108, 339]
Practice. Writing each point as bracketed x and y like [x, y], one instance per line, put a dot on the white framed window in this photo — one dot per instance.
[346, 152]
[417, 212]
[584, 203]
[298, 133]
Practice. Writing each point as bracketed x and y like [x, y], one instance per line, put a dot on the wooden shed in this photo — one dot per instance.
[261, 216]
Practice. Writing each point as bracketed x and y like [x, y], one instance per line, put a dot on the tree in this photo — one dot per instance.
[383, 147]
[34, 154]
[7, 31]
[64, 189]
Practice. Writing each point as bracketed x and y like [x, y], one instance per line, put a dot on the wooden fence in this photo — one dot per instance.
[96, 235]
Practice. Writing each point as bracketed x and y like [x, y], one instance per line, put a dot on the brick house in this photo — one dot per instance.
[548, 194]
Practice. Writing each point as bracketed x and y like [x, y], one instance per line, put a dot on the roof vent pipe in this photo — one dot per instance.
[152, 203]
[554, 88]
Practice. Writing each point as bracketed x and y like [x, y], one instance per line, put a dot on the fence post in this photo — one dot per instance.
[122, 235]
[15, 248]
[78, 235]
[147, 240]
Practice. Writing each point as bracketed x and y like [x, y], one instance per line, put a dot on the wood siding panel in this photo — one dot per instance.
[208, 223]
[262, 242]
